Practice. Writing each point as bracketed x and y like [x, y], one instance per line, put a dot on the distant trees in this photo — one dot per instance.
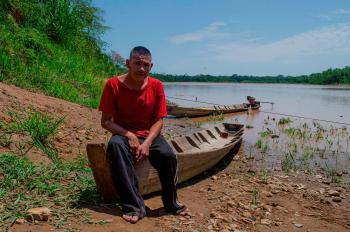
[118, 60]
[330, 76]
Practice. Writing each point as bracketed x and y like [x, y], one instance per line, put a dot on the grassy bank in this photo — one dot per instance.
[64, 187]
[54, 47]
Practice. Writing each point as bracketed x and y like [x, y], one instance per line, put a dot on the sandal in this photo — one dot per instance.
[181, 210]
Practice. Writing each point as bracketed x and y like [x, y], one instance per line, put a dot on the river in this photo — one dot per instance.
[313, 101]
[329, 104]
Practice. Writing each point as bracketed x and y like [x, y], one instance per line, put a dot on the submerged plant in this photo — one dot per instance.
[332, 173]
[284, 121]
[300, 142]
[216, 117]
[288, 162]
[266, 133]
[258, 144]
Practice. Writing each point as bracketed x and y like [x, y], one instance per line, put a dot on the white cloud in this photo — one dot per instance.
[302, 53]
[213, 30]
[335, 15]
[332, 39]
[343, 11]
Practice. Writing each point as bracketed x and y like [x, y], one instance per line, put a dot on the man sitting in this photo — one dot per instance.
[133, 106]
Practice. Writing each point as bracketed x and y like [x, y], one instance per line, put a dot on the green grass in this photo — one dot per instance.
[39, 127]
[288, 162]
[63, 187]
[332, 173]
[258, 144]
[216, 117]
[55, 71]
[66, 187]
[266, 133]
[264, 177]
[54, 47]
[255, 195]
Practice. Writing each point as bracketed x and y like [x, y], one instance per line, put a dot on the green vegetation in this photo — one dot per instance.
[216, 117]
[264, 177]
[288, 162]
[63, 187]
[255, 195]
[284, 121]
[330, 76]
[38, 127]
[305, 146]
[54, 46]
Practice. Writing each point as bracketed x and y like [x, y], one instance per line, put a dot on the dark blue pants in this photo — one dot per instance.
[161, 157]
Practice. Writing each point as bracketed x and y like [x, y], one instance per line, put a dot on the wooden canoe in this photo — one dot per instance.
[178, 111]
[195, 153]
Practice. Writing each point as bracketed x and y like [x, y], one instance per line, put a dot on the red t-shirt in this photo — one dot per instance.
[134, 110]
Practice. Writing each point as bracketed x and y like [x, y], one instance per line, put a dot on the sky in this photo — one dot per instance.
[226, 37]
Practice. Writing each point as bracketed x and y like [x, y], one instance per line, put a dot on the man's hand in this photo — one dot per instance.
[142, 151]
[133, 141]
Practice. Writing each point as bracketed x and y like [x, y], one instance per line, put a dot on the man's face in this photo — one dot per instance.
[139, 66]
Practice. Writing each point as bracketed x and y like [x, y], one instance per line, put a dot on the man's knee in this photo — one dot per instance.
[117, 145]
[168, 155]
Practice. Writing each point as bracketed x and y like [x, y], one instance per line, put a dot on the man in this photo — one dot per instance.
[251, 100]
[133, 106]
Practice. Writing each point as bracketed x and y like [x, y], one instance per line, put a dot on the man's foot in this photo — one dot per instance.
[180, 210]
[131, 218]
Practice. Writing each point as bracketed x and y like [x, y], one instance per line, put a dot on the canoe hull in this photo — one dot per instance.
[179, 111]
[195, 154]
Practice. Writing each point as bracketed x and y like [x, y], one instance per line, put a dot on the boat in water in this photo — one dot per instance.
[179, 111]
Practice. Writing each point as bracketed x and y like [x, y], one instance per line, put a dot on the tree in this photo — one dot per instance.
[118, 60]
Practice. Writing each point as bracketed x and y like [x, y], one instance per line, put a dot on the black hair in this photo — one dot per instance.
[140, 50]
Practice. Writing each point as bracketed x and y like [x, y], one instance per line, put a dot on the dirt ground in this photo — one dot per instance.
[230, 197]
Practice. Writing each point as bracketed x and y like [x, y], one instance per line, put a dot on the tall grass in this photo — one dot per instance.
[54, 47]
[39, 127]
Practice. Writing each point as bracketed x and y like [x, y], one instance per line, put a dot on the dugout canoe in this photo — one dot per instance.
[179, 111]
[195, 153]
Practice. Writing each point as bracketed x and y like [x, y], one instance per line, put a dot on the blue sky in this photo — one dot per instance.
[225, 37]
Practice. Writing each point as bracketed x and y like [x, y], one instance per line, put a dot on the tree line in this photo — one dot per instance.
[330, 76]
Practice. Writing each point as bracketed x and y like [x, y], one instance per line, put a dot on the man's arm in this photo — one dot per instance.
[143, 150]
[154, 131]
[108, 124]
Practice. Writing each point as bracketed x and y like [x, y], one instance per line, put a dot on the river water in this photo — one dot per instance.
[330, 104]
[314, 101]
